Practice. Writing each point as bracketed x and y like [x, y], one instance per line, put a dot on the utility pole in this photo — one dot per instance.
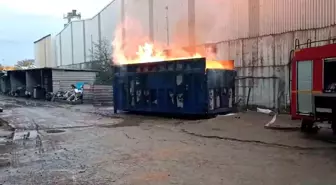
[71, 15]
[167, 25]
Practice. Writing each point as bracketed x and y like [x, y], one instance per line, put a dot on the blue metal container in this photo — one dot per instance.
[173, 87]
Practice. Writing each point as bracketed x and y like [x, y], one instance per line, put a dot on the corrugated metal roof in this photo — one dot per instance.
[55, 69]
[278, 16]
[42, 38]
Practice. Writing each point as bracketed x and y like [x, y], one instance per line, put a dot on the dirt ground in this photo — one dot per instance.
[46, 143]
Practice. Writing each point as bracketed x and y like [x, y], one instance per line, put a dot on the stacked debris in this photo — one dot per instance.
[18, 92]
[75, 95]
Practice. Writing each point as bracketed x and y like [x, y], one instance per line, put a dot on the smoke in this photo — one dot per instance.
[212, 20]
[170, 25]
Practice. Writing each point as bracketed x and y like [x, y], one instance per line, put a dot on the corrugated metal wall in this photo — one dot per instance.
[172, 22]
[74, 43]
[290, 15]
[44, 56]
[78, 42]
[66, 45]
[257, 34]
[63, 79]
[102, 94]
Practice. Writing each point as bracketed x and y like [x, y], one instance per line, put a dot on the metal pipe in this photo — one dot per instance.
[167, 25]
[248, 97]
[291, 55]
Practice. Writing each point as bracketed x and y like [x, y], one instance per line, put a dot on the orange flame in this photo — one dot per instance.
[137, 50]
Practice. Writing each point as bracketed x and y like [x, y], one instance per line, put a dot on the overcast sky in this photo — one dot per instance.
[25, 21]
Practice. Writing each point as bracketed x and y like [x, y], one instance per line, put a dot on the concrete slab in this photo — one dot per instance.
[250, 127]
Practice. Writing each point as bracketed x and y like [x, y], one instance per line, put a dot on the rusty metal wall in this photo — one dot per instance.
[262, 64]
[102, 95]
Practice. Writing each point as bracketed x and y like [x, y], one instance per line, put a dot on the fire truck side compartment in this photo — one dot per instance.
[173, 87]
[313, 69]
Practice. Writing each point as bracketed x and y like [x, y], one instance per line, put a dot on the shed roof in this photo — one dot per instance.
[55, 69]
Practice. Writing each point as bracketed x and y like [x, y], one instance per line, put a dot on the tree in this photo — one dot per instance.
[101, 54]
[27, 63]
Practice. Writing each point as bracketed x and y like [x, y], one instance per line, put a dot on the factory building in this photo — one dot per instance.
[257, 34]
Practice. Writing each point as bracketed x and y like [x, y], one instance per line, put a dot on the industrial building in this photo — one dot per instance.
[257, 34]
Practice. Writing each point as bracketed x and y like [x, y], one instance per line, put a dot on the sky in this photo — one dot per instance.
[25, 21]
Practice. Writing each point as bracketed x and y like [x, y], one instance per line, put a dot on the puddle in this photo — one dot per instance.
[20, 135]
[54, 131]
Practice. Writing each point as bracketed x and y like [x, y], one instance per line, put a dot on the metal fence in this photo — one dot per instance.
[101, 95]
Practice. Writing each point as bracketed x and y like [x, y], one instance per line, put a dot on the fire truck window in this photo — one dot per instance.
[330, 76]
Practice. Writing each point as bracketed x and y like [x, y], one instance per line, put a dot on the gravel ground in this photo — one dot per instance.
[78, 145]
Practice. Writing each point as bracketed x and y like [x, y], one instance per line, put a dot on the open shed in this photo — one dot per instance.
[17, 79]
[51, 79]
[5, 83]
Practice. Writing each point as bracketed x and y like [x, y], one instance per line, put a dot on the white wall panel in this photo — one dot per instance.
[58, 50]
[43, 52]
[222, 20]
[303, 36]
[161, 32]
[88, 39]
[94, 29]
[136, 25]
[39, 53]
[171, 22]
[236, 52]
[78, 41]
[250, 55]
[66, 47]
[323, 34]
[53, 52]
[110, 17]
[223, 51]
[48, 52]
[266, 51]
[283, 45]
[91, 35]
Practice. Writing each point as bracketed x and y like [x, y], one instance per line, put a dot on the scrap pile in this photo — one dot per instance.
[73, 95]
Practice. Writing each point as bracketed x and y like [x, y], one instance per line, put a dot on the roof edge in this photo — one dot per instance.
[42, 38]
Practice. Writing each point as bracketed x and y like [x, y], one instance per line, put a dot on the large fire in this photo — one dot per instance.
[148, 52]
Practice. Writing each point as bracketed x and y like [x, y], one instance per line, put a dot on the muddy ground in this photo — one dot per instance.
[45, 143]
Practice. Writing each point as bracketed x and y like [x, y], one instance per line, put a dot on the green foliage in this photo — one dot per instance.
[27, 63]
[101, 54]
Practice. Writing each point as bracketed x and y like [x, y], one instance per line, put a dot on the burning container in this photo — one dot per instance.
[174, 87]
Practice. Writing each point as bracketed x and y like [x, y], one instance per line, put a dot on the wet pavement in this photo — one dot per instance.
[62, 144]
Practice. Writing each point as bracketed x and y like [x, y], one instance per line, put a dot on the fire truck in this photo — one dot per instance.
[313, 85]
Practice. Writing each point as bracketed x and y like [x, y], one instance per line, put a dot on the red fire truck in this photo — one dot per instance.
[313, 87]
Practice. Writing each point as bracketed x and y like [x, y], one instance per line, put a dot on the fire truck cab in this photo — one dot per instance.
[313, 87]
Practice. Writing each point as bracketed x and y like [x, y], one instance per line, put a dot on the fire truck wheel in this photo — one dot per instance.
[333, 127]
[307, 126]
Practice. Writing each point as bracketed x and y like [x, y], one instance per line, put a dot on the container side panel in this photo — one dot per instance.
[221, 89]
[163, 87]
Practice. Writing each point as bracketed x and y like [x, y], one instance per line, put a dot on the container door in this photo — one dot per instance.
[304, 87]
